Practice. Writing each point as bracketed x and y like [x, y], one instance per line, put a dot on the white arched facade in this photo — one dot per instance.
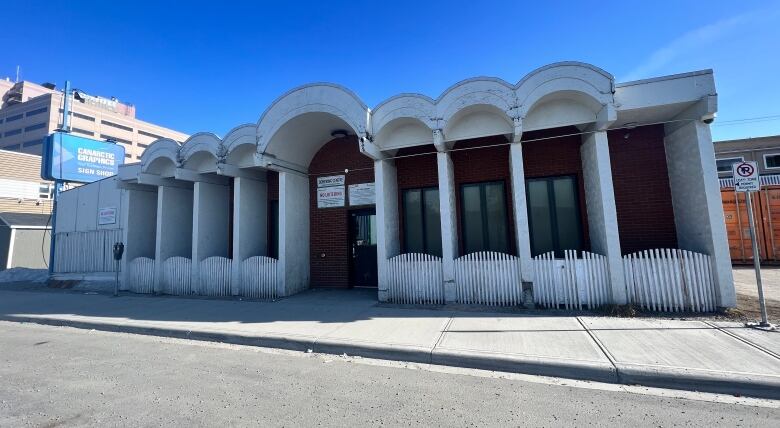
[273, 156]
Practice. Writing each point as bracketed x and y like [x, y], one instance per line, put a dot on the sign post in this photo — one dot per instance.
[746, 180]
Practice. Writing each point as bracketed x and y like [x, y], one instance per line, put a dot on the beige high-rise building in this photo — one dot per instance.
[29, 112]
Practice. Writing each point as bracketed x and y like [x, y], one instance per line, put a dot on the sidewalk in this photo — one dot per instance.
[695, 355]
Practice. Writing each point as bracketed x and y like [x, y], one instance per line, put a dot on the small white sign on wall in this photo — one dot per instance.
[362, 194]
[330, 197]
[107, 215]
[329, 181]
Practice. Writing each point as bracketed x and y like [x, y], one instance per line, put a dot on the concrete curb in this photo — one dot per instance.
[650, 376]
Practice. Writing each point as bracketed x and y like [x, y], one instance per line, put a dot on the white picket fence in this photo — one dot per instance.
[259, 278]
[488, 278]
[80, 252]
[572, 282]
[141, 275]
[670, 280]
[215, 274]
[414, 279]
[177, 274]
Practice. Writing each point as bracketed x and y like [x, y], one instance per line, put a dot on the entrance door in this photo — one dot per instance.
[362, 241]
[554, 215]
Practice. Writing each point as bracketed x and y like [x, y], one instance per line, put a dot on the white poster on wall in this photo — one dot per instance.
[362, 194]
[107, 215]
[329, 181]
[330, 197]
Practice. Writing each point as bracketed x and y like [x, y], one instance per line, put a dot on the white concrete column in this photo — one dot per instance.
[388, 231]
[449, 225]
[519, 206]
[210, 217]
[293, 233]
[174, 228]
[602, 214]
[250, 223]
[698, 209]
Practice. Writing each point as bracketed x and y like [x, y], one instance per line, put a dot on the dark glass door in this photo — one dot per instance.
[554, 215]
[362, 233]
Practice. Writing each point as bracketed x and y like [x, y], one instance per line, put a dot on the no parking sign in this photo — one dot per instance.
[746, 177]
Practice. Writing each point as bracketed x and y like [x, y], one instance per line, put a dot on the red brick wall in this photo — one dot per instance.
[642, 193]
[329, 226]
[415, 172]
[558, 153]
[483, 163]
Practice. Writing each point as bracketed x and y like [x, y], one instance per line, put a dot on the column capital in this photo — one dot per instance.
[517, 129]
[438, 140]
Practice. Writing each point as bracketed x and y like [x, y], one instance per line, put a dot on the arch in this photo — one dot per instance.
[563, 93]
[164, 148]
[412, 106]
[488, 91]
[476, 108]
[240, 135]
[200, 142]
[403, 132]
[298, 123]
[241, 144]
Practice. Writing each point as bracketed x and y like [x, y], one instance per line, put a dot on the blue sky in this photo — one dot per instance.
[213, 65]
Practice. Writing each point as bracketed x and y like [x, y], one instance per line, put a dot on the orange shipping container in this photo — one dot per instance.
[766, 210]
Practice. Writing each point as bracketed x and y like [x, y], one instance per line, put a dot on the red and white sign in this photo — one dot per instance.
[746, 177]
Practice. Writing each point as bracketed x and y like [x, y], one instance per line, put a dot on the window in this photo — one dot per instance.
[80, 116]
[12, 147]
[772, 160]
[36, 111]
[45, 191]
[484, 217]
[33, 143]
[149, 134]
[724, 165]
[128, 155]
[13, 132]
[84, 116]
[143, 146]
[35, 127]
[554, 215]
[422, 221]
[14, 117]
[116, 125]
[82, 131]
[117, 139]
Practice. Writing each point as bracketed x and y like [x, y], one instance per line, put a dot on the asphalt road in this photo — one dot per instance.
[59, 376]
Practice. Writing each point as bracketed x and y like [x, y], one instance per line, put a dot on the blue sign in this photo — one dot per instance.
[77, 159]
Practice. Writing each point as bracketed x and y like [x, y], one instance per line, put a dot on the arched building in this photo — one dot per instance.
[549, 185]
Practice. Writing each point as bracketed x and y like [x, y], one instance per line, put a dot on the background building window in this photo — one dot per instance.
[116, 125]
[117, 139]
[35, 127]
[82, 131]
[772, 160]
[13, 132]
[36, 111]
[14, 117]
[422, 221]
[45, 191]
[724, 165]
[149, 134]
[554, 215]
[484, 217]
